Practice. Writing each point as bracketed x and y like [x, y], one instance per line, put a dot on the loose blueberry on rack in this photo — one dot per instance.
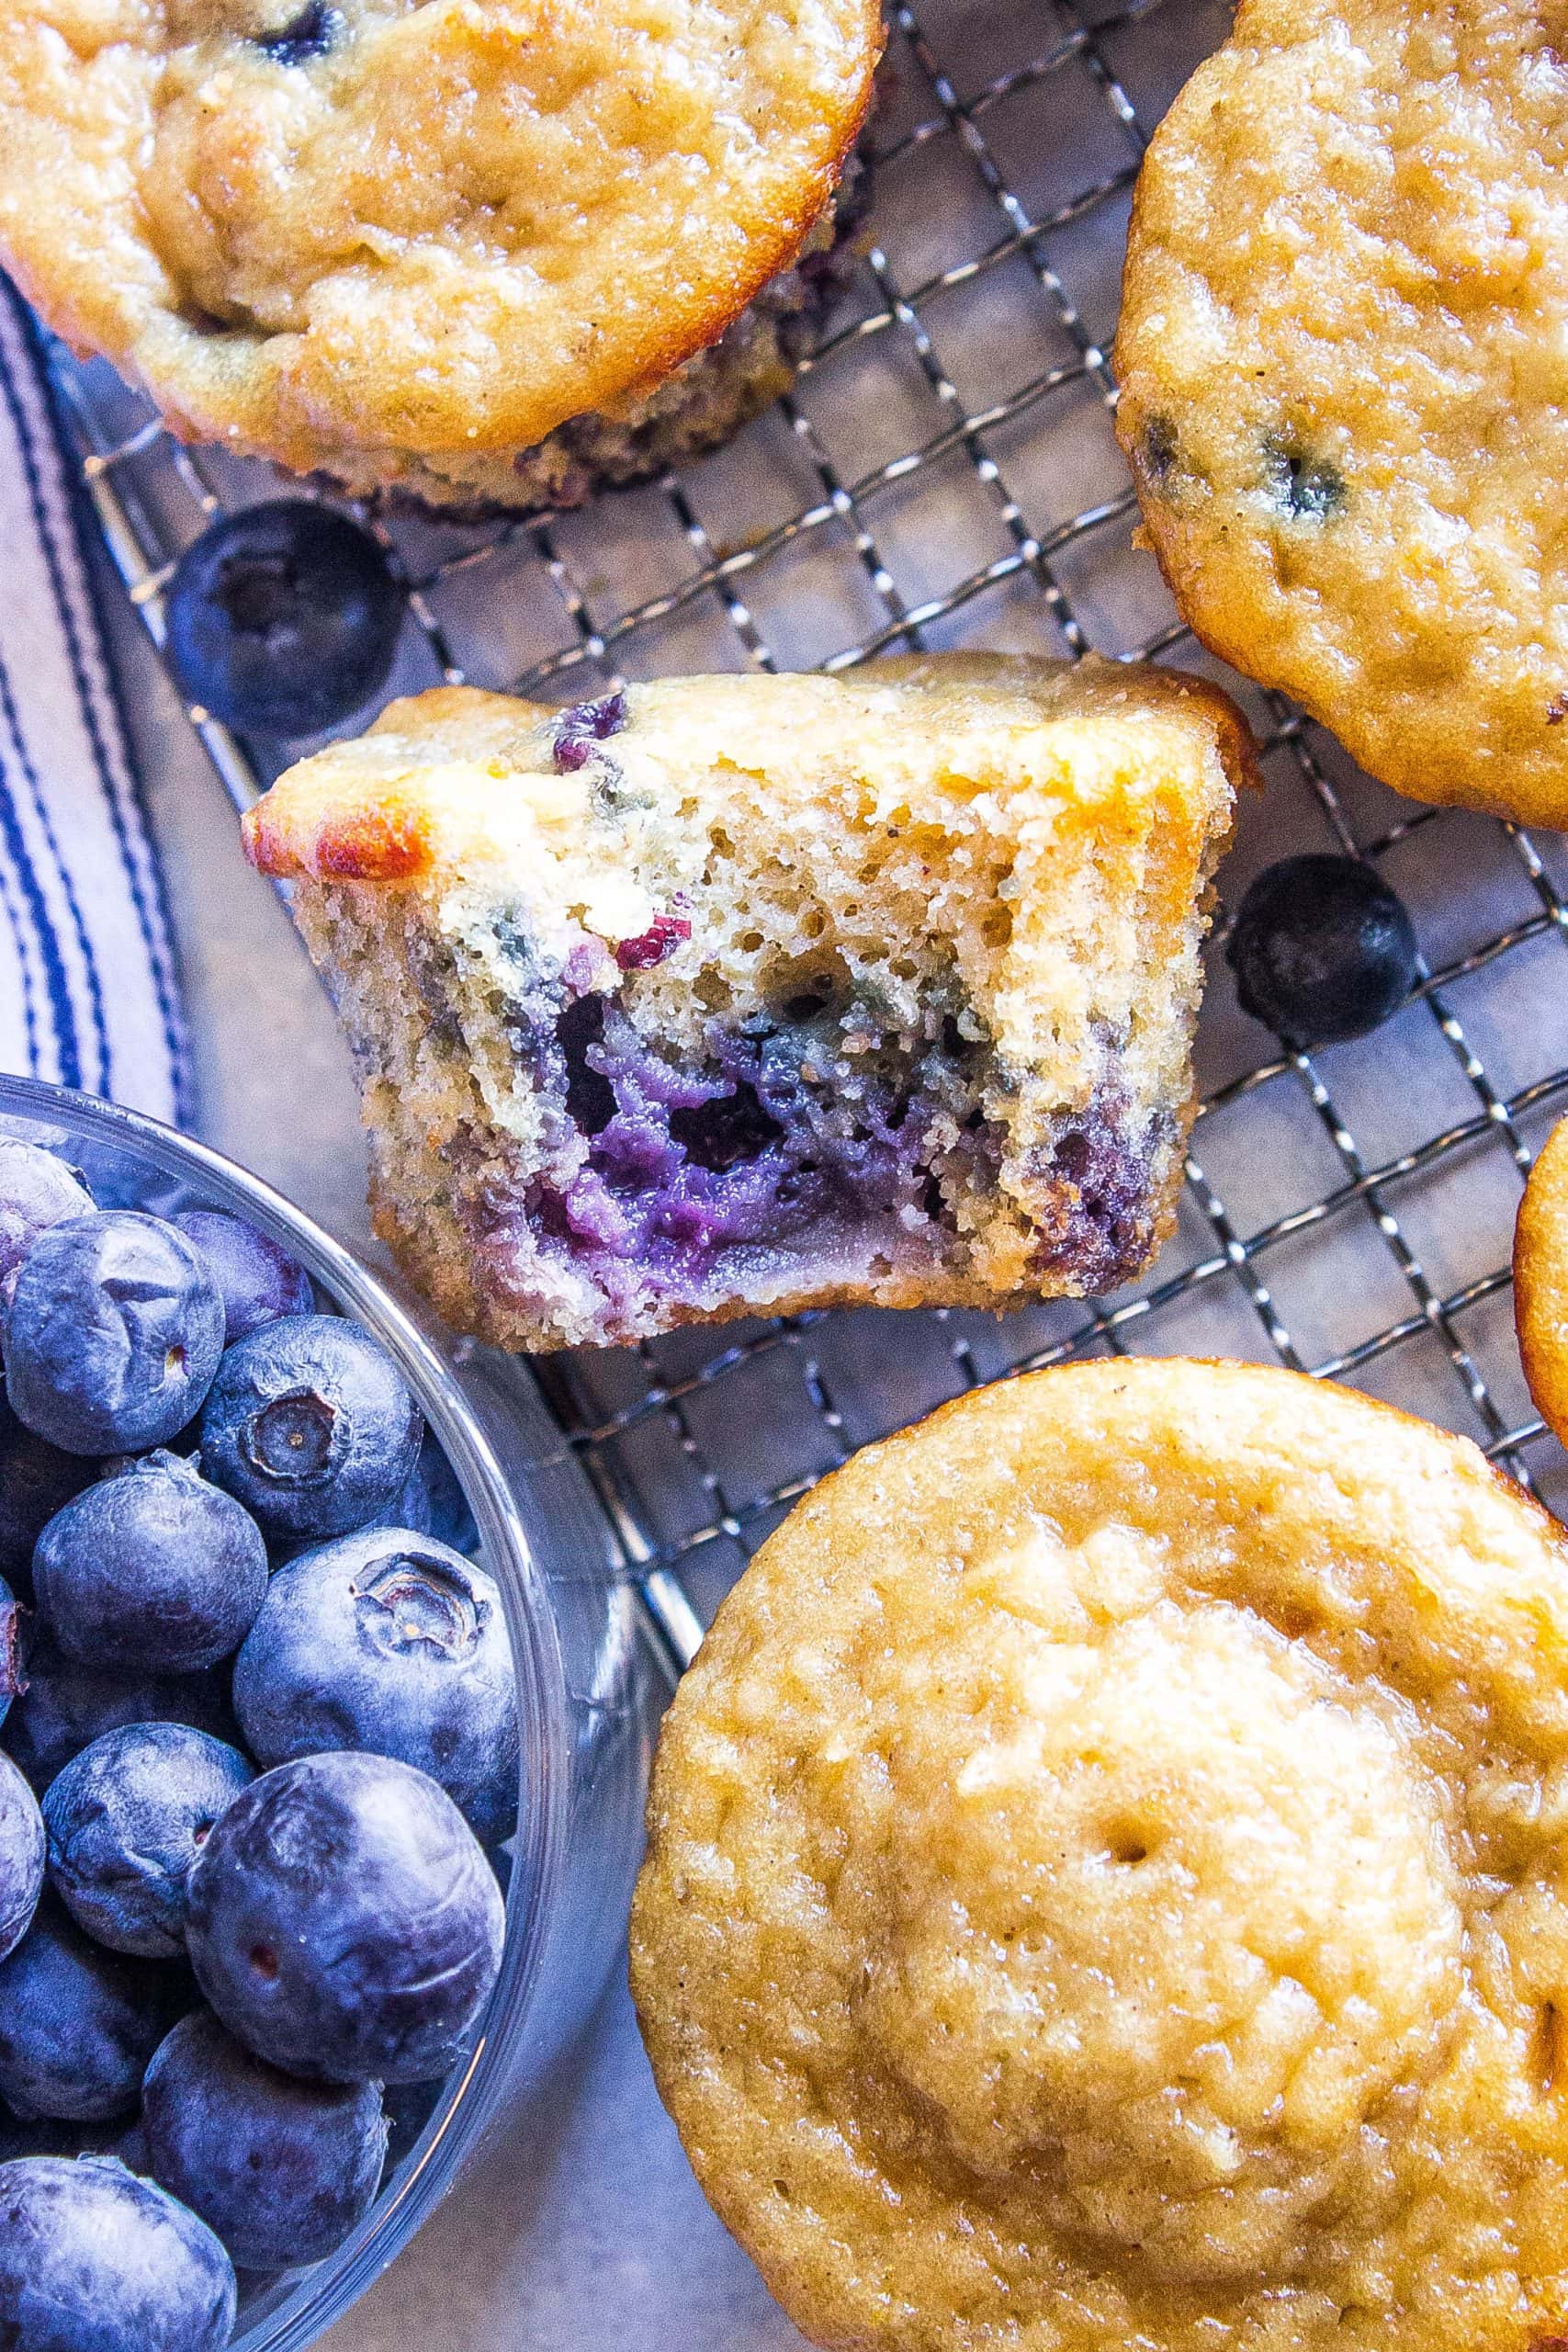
[1322, 950]
[389, 1642]
[112, 1335]
[64, 1706]
[78, 2024]
[126, 1820]
[21, 1857]
[154, 1571]
[344, 1922]
[256, 1278]
[283, 618]
[93, 2260]
[311, 1426]
[37, 1190]
[280, 2169]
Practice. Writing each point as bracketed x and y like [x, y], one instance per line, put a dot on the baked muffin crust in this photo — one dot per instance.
[392, 241]
[1345, 387]
[1540, 1281]
[1104, 1882]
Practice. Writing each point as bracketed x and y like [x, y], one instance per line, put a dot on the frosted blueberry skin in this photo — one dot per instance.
[344, 1922]
[256, 1278]
[387, 1641]
[78, 2023]
[112, 1335]
[21, 1857]
[311, 1426]
[126, 1820]
[65, 1706]
[37, 1190]
[93, 2260]
[12, 1677]
[439, 1506]
[36, 1481]
[154, 1571]
[279, 2169]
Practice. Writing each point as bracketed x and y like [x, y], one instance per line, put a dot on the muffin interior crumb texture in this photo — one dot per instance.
[404, 241]
[1105, 1883]
[739, 994]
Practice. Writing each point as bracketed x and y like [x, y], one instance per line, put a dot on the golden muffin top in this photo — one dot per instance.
[1344, 358]
[1540, 1281]
[1105, 1883]
[419, 225]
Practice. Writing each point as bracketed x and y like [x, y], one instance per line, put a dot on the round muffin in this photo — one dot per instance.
[1344, 359]
[1106, 1882]
[406, 244]
[1540, 1281]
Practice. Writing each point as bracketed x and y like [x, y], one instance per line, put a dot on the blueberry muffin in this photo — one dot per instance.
[1106, 1882]
[1344, 359]
[746, 994]
[1540, 1281]
[463, 249]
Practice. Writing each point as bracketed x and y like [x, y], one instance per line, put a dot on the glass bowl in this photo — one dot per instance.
[584, 1676]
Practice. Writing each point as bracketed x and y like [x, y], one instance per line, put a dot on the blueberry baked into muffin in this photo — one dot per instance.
[1540, 1281]
[466, 249]
[1344, 359]
[737, 994]
[1105, 1883]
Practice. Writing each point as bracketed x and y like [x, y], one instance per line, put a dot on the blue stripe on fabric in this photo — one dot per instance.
[53, 960]
[24, 968]
[60, 1010]
[153, 919]
[78, 923]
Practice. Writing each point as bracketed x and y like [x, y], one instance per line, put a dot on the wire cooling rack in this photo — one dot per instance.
[945, 474]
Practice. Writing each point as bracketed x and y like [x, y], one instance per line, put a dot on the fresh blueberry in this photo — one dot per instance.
[389, 1642]
[12, 1677]
[37, 1190]
[113, 1333]
[256, 1278]
[36, 1481]
[441, 1508]
[1322, 950]
[63, 1707]
[93, 2260]
[280, 2169]
[283, 617]
[77, 2023]
[126, 1820]
[311, 1425]
[151, 1572]
[21, 1857]
[344, 1922]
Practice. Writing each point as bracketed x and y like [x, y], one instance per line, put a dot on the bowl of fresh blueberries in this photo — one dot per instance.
[322, 1735]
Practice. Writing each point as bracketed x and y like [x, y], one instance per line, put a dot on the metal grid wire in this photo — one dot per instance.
[944, 473]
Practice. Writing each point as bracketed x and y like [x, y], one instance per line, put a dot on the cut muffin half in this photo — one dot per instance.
[744, 994]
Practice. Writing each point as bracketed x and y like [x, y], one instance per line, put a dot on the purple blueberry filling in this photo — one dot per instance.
[581, 726]
[780, 1131]
[1096, 1213]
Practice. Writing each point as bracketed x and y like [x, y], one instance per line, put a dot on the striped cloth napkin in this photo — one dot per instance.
[89, 995]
